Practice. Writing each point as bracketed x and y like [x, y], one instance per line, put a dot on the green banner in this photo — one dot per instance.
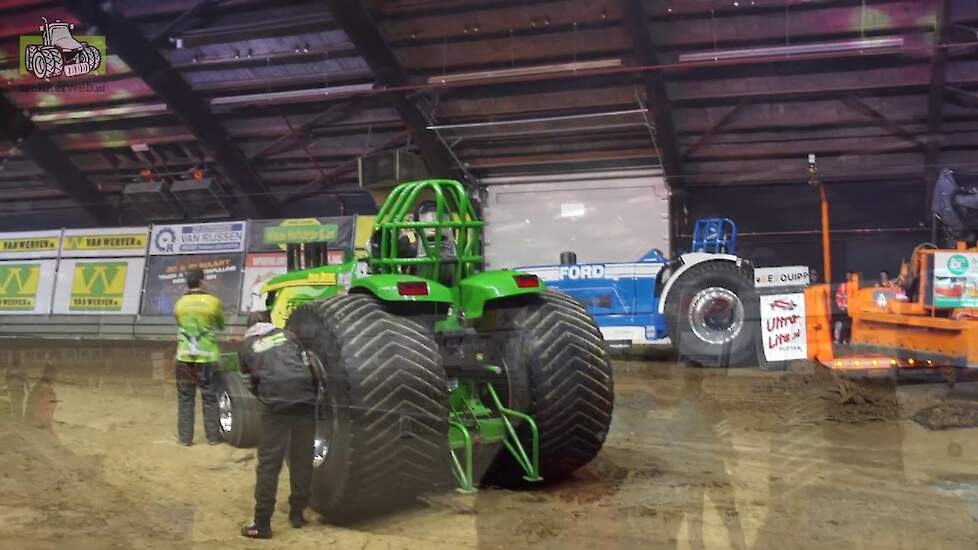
[310, 233]
[274, 235]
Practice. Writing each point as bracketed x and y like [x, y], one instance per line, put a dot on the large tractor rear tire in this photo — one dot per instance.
[559, 373]
[385, 409]
[240, 411]
[53, 63]
[30, 51]
[713, 315]
[91, 57]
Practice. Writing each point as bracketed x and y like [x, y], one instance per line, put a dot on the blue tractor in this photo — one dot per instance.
[702, 302]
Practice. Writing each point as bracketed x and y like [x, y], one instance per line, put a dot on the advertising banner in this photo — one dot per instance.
[272, 235]
[26, 287]
[166, 282]
[796, 275]
[105, 243]
[32, 245]
[197, 238]
[956, 279]
[259, 267]
[365, 230]
[99, 287]
[783, 327]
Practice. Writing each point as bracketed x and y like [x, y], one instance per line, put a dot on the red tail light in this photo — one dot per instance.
[526, 281]
[413, 288]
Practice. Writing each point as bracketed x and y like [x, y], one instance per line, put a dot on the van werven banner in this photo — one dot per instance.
[112, 242]
[166, 282]
[26, 287]
[32, 245]
[99, 286]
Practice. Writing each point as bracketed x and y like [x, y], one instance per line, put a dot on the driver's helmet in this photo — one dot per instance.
[427, 212]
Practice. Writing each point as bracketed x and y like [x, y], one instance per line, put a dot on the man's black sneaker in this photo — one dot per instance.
[297, 520]
[214, 441]
[253, 531]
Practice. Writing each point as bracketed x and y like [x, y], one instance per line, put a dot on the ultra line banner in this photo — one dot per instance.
[26, 287]
[102, 287]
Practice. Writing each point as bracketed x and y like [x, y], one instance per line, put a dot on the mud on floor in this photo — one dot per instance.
[695, 459]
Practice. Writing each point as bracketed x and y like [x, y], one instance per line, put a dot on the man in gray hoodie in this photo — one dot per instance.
[285, 385]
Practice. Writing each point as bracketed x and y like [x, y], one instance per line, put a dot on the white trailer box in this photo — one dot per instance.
[614, 216]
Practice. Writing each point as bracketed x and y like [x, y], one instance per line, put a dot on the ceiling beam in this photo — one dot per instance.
[860, 106]
[141, 55]
[330, 177]
[296, 135]
[183, 19]
[935, 105]
[961, 97]
[35, 144]
[935, 96]
[360, 27]
[636, 26]
[731, 115]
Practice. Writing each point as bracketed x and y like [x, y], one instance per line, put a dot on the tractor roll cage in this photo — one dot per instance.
[454, 211]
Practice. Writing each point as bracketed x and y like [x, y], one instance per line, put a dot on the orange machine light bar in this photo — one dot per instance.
[869, 362]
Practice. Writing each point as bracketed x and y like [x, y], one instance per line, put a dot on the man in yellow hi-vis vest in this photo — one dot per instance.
[199, 316]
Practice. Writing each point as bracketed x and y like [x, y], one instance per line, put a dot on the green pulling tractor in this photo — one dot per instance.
[435, 372]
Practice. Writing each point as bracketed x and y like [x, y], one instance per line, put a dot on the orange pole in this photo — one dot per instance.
[826, 238]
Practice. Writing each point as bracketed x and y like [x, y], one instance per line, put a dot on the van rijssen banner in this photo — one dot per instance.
[198, 238]
[99, 287]
[273, 235]
[26, 287]
[31, 245]
[166, 280]
[105, 243]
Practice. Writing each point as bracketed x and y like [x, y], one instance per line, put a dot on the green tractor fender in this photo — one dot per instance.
[484, 287]
[398, 287]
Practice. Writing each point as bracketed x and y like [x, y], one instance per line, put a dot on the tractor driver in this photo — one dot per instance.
[428, 212]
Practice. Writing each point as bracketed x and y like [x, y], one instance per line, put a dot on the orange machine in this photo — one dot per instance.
[927, 319]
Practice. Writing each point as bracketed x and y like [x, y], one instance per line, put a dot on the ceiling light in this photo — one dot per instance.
[800, 49]
[123, 110]
[268, 97]
[525, 71]
[145, 109]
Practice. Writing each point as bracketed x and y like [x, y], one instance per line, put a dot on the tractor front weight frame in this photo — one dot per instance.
[472, 422]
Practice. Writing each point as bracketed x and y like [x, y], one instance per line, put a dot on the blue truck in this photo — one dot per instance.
[701, 302]
[622, 297]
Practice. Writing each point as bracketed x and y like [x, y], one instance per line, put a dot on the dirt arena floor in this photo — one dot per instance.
[695, 459]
